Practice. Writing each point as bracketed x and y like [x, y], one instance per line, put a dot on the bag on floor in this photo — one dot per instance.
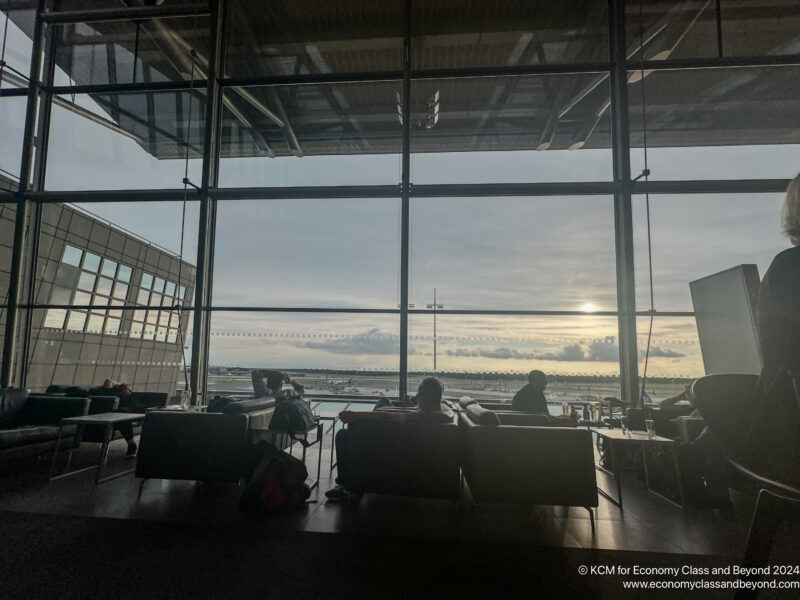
[277, 484]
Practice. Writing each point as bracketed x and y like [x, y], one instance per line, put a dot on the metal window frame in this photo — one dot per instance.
[620, 185]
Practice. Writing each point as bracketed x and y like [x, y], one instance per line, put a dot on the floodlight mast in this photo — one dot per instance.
[434, 306]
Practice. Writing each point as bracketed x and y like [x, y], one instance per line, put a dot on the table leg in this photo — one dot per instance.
[333, 442]
[615, 461]
[678, 476]
[103, 453]
[320, 437]
[682, 505]
[55, 451]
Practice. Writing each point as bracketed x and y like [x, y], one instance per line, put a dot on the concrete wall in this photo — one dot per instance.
[56, 355]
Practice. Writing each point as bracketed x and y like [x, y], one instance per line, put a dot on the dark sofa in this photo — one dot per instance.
[405, 459]
[203, 446]
[29, 423]
[520, 461]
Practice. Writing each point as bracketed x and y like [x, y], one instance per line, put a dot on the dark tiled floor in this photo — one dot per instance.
[647, 523]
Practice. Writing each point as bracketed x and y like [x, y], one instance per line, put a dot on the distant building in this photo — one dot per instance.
[84, 261]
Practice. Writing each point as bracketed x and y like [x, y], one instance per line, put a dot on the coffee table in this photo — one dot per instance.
[107, 420]
[618, 437]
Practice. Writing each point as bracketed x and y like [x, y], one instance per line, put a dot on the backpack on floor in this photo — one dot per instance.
[277, 484]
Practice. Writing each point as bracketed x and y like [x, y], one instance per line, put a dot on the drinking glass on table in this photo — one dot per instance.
[651, 428]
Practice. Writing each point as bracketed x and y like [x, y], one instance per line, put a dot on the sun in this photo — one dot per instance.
[588, 307]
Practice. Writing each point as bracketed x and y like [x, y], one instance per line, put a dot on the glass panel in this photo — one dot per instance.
[511, 33]
[689, 29]
[123, 141]
[136, 330]
[172, 336]
[12, 123]
[76, 320]
[487, 356]
[120, 291]
[86, 282]
[104, 286]
[82, 299]
[163, 318]
[699, 234]
[182, 292]
[152, 317]
[55, 318]
[72, 256]
[158, 286]
[675, 359]
[717, 123]
[161, 334]
[147, 281]
[295, 37]
[170, 289]
[95, 324]
[130, 51]
[144, 296]
[149, 332]
[155, 299]
[112, 326]
[139, 315]
[66, 276]
[125, 273]
[511, 129]
[91, 262]
[109, 268]
[16, 31]
[329, 265]
[61, 295]
[511, 253]
[338, 346]
[309, 135]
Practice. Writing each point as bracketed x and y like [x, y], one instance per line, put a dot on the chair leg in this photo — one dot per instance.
[141, 486]
[769, 513]
[591, 517]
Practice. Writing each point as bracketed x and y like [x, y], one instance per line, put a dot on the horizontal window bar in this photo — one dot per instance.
[302, 309]
[714, 186]
[715, 63]
[311, 78]
[272, 193]
[131, 88]
[185, 308]
[13, 92]
[171, 195]
[126, 13]
[514, 189]
[503, 71]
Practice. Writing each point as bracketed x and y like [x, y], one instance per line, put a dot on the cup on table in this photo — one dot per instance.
[651, 428]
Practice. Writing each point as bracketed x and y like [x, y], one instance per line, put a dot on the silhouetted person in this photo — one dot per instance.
[429, 409]
[274, 383]
[531, 397]
[773, 440]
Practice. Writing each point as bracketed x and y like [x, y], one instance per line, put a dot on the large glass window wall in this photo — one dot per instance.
[365, 197]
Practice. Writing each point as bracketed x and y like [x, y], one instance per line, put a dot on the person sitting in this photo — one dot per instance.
[684, 396]
[531, 397]
[427, 408]
[274, 384]
[120, 390]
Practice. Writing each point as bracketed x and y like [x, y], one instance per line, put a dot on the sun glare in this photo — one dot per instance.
[588, 307]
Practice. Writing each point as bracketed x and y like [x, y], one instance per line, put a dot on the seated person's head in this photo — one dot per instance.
[537, 379]
[429, 394]
[121, 389]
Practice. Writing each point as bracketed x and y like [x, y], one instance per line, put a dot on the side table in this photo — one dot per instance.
[302, 437]
[615, 437]
[107, 420]
[334, 418]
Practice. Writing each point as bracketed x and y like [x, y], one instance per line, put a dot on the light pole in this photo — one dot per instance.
[434, 306]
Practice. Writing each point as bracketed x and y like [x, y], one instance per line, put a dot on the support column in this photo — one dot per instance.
[623, 214]
[405, 189]
[205, 253]
[9, 373]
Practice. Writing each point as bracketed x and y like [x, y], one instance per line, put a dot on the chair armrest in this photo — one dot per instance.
[103, 404]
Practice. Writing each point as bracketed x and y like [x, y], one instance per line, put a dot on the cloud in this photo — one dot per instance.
[571, 353]
[600, 350]
[501, 353]
[372, 342]
[657, 351]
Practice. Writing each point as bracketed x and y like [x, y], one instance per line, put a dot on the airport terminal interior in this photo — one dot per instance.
[238, 238]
